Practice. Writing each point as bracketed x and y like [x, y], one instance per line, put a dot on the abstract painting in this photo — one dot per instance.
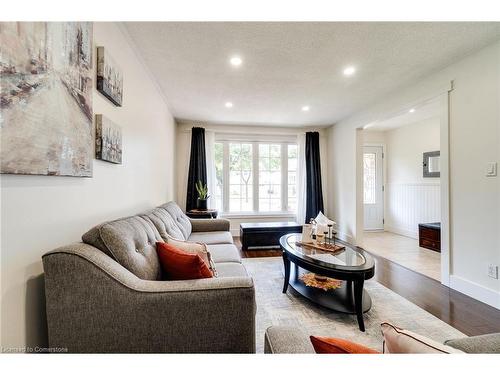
[46, 98]
[108, 140]
[109, 77]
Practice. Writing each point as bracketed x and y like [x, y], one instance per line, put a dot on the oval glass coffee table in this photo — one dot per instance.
[352, 265]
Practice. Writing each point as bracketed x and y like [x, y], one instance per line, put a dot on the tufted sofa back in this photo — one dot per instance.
[131, 241]
[164, 223]
[179, 217]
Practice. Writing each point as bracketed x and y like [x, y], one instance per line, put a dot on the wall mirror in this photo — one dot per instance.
[431, 164]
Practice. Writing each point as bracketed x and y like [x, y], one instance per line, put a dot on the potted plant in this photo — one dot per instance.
[203, 196]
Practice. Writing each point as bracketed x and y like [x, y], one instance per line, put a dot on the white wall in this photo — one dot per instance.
[474, 140]
[266, 133]
[40, 213]
[410, 198]
[342, 180]
[405, 146]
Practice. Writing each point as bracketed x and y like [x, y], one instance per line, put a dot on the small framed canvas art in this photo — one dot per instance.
[108, 140]
[109, 77]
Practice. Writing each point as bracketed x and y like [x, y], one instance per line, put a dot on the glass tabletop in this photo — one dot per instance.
[350, 257]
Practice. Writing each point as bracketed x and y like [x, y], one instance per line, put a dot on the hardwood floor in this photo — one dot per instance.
[458, 310]
[256, 253]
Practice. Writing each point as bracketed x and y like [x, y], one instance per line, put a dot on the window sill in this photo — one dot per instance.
[263, 215]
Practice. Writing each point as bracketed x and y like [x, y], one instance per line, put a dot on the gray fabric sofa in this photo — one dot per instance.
[106, 295]
[290, 340]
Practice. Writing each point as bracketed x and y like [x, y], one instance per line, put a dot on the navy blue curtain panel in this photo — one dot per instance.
[197, 166]
[314, 191]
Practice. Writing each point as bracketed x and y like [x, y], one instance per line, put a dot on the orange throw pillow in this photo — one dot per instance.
[181, 265]
[327, 345]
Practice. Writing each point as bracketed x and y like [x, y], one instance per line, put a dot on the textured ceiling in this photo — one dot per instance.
[289, 65]
[421, 112]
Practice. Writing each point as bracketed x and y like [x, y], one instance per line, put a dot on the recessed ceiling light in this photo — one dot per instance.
[236, 61]
[228, 105]
[306, 108]
[412, 110]
[349, 71]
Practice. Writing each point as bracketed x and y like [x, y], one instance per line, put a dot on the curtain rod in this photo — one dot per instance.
[243, 132]
[247, 131]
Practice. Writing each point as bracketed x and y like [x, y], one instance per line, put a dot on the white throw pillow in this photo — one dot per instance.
[402, 341]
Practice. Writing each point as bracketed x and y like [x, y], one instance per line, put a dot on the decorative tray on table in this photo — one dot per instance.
[330, 247]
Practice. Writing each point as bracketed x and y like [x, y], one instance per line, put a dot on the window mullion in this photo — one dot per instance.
[225, 177]
[284, 177]
[255, 176]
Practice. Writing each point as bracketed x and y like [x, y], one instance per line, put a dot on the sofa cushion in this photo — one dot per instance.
[224, 253]
[131, 241]
[164, 223]
[211, 238]
[178, 264]
[179, 217]
[231, 270]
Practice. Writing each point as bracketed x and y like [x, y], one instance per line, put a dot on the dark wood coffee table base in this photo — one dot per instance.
[351, 298]
[340, 300]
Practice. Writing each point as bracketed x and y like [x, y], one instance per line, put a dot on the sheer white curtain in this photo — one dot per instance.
[211, 177]
[301, 178]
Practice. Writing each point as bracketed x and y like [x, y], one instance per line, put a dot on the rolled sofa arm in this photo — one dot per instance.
[94, 305]
[210, 225]
[482, 344]
[287, 340]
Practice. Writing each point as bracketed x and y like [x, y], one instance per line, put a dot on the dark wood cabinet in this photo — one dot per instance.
[265, 234]
[429, 236]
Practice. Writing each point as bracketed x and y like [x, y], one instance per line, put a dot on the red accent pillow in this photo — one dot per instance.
[327, 345]
[181, 265]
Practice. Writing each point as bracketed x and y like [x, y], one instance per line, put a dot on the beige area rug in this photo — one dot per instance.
[291, 309]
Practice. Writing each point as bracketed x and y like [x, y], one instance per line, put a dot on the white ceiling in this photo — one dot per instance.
[421, 112]
[289, 65]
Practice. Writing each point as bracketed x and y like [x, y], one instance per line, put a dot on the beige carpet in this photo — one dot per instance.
[276, 308]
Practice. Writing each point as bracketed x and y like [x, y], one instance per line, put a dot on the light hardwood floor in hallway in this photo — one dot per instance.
[404, 251]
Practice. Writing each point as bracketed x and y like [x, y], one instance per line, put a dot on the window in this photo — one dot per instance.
[256, 176]
[219, 153]
[369, 166]
[270, 177]
[240, 177]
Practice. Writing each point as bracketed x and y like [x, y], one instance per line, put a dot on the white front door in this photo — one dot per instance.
[373, 191]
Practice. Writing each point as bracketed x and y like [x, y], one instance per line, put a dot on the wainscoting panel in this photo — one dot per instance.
[407, 205]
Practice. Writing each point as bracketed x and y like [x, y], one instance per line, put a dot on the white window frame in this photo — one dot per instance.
[255, 177]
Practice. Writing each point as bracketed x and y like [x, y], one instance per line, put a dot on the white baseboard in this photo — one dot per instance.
[402, 232]
[476, 291]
